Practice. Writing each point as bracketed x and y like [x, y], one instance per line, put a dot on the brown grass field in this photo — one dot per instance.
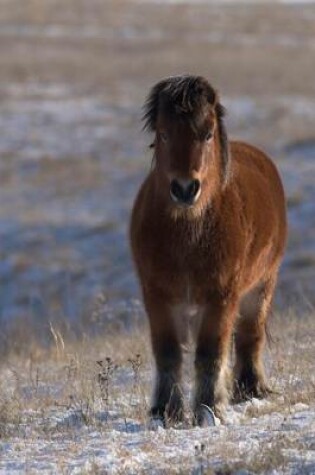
[76, 365]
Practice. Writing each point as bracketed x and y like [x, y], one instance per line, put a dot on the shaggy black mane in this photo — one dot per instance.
[186, 98]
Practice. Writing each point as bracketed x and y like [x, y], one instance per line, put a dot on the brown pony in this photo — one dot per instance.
[208, 232]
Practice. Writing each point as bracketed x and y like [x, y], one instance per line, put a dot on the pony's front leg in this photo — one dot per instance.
[167, 399]
[212, 359]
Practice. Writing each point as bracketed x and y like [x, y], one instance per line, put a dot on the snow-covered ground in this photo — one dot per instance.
[273, 443]
[83, 409]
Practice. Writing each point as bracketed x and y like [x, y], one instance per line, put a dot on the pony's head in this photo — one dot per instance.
[191, 146]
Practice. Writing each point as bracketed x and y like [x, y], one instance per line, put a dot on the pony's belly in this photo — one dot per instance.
[187, 319]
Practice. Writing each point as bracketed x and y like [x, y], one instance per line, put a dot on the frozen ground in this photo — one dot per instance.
[82, 408]
[274, 443]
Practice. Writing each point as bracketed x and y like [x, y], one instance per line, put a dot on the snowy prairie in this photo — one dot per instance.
[76, 369]
[82, 408]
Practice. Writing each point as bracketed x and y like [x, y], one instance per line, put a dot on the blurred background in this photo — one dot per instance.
[73, 77]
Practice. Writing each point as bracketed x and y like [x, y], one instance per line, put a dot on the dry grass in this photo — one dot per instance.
[92, 369]
[83, 376]
[105, 383]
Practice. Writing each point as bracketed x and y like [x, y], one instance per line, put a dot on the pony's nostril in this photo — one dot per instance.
[193, 189]
[177, 190]
[184, 192]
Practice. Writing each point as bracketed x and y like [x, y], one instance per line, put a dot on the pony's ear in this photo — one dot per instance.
[151, 106]
[220, 112]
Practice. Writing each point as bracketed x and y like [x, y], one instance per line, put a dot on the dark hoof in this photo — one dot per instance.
[157, 415]
[166, 418]
[156, 423]
[244, 392]
[205, 417]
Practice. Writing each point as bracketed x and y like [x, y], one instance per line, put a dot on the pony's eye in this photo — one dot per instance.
[163, 137]
[209, 136]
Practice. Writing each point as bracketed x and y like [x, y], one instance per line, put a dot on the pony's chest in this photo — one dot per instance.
[183, 255]
[186, 272]
[184, 261]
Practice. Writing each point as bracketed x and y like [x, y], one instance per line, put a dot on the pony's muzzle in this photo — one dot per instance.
[185, 192]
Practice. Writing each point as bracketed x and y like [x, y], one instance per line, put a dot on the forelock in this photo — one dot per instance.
[186, 98]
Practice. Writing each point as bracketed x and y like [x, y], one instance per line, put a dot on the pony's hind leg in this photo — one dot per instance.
[167, 398]
[250, 336]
